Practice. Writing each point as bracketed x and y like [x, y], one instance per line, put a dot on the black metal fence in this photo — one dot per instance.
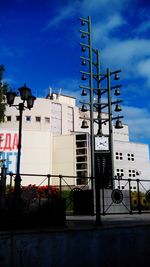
[128, 196]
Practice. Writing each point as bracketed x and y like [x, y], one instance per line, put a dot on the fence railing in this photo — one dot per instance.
[127, 197]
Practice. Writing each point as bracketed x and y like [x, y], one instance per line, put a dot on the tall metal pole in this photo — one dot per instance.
[18, 178]
[97, 179]
[110, 126]
[91, 103]
[99, 95]
[2, 187]
[95, 183]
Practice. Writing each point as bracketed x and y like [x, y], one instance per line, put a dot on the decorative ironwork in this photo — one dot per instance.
[75, 189]
[147, 195]
[117, 196]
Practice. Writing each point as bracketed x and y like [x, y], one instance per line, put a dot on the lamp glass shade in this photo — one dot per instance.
[30, 101]
[10, 97]
[25, 92]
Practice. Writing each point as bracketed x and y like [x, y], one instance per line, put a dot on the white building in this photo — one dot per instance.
[54, 143]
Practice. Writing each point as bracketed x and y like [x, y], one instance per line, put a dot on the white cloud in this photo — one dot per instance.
[68, 87]
[126, 55]
[143, 27]
[63, 14]
[138, 120]
[102, 7]
[143, 69]
[97, 8]
[127, 52]
[102, 29]
[135, 112]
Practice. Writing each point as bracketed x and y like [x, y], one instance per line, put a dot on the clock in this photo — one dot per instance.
[101, 143]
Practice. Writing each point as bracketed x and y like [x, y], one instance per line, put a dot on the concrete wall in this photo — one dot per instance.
[104, 247]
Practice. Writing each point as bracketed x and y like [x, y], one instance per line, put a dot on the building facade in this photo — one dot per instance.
[53, 142]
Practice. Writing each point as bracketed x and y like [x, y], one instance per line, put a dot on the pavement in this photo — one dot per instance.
[80, 222]
[108, 221]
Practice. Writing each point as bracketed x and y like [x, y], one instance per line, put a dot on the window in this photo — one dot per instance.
[131, 173]
[81, 151]
[119, 156]
[82, 158]
[120, 173]
[28, 118]
[37, 119]
[70, 119]
[130, 157]
[8, 118]
[47, 120]
[17, 118]
[56, 118]
[81, 166]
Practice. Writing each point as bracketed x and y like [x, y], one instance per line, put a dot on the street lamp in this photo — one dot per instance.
[27, 103]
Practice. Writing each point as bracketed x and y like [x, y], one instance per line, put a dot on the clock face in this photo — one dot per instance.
[101, 143]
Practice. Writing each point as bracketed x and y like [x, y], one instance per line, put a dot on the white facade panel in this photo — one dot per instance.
[131, 161]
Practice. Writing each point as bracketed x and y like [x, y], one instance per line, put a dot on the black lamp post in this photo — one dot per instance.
[28, 102]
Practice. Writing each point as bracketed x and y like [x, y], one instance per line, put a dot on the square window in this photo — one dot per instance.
[28, 118]
[117, 157]
[8, 118]
[47, 120]
[37, 119]
[17, 118]
[121, 158]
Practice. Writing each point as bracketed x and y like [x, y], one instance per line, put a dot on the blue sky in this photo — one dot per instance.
[39, 45]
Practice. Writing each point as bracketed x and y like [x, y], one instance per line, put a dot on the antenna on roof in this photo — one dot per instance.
[59, 93]
[60, 89]
[50, 90]
[50, 93]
